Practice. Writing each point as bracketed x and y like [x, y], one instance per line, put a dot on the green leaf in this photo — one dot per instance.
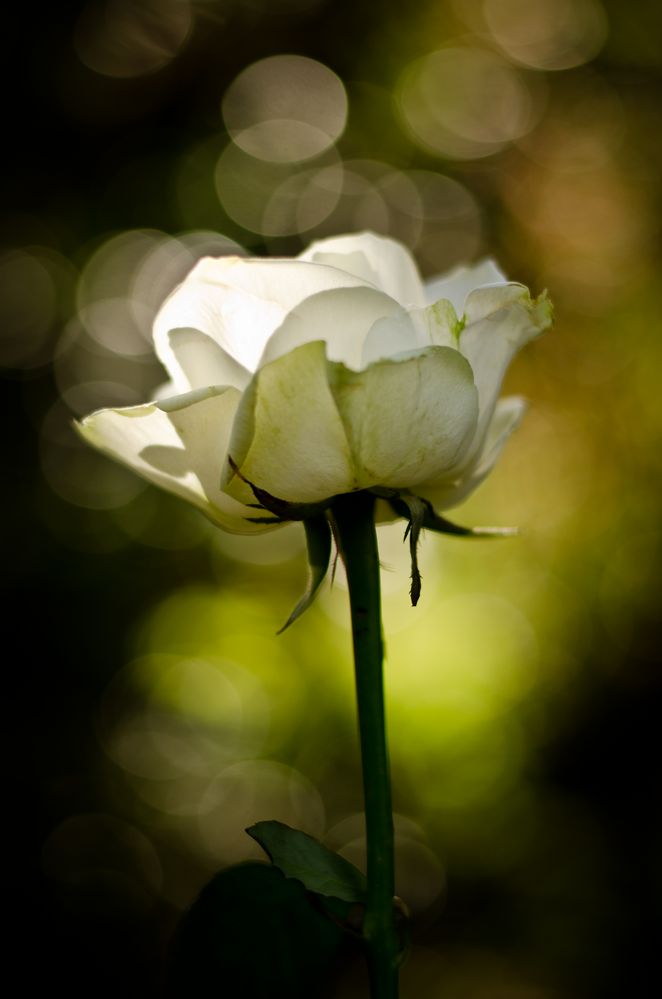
[318, 538]
[300, 856]
[254, 933]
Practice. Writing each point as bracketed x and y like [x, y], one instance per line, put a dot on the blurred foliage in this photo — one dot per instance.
[253, 932]
[147, 684]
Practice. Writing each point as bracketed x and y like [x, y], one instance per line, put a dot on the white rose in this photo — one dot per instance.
[297, 380]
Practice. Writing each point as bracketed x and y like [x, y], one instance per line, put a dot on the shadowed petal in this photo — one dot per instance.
[408, 419]
[508, 415]
[288, 437]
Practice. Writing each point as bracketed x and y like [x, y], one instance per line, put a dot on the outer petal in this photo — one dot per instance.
[341, 318]
[288, 437]
[490, 298]
[408, 419]
[456, 285]
[377, 259]
[507, 417]
[179, 445]
[500, 321]
[239, 303]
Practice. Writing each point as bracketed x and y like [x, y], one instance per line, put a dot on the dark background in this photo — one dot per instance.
[524, 695]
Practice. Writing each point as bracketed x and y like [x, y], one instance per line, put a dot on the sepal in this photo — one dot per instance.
[420, 514]
[432, 521]
[318, 539]
[282, 510]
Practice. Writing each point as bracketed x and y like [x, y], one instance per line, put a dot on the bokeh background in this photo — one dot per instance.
[153, 713]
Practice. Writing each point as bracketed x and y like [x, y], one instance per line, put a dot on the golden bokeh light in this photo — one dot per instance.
[250, 790]
[186, 718]
[547, 34]
[271, 548]
[302, 201]
[277, 198]
[583, 127]
[285, 109]
[466, 102]
[451, 223]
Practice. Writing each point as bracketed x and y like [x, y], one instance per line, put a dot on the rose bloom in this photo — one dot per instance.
[296, 380]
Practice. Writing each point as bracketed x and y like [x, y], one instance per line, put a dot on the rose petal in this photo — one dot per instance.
[437, 325]
[387, 337]
[408, 419]
[456, 285]
[482, 302]
[196, 361]
[239, 303]
[179, 445]
[490, 343]
[377, 259]
[288, 438]
[508, 415]
[342, 318]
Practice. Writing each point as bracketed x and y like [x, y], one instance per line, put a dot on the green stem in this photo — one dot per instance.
[354, 517]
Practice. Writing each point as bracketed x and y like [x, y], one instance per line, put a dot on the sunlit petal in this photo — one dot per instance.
[196, 361]
[240, 303]
[377, 259]
[180, 445]
[341, 318]
[500, 321]
[456, 285]
[434, 326]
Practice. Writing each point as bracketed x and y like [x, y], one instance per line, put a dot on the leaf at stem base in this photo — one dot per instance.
[300, 856]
